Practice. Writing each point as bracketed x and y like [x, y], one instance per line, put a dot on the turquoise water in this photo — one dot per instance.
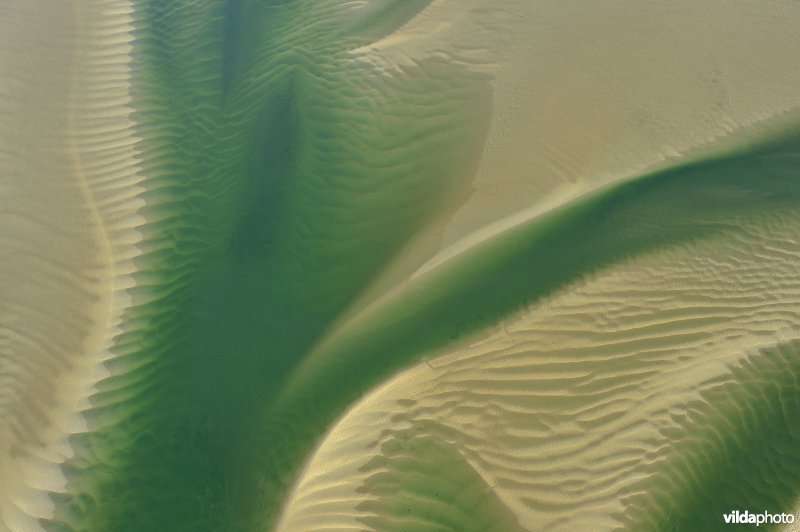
[285, 179]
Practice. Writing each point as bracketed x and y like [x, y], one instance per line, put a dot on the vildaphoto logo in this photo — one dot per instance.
[763, 518]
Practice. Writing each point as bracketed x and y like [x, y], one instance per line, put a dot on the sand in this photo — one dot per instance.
[69, 231]
[585, 96]
[569, 409]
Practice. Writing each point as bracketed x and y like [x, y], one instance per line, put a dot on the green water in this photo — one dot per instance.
[284, 178]
[740, 451]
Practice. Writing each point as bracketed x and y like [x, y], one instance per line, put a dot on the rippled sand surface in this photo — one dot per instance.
[398, 265]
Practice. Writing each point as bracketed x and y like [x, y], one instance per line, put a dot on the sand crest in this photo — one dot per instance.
[69, 188]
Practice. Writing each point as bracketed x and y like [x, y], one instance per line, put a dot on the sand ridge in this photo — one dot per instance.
[565, 407]
[69, 234]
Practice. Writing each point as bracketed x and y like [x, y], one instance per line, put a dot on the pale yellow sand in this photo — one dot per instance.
[590, 93]
[560, 408]
[68, 204]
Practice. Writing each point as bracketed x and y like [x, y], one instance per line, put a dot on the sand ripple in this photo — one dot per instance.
[69, 209]
[569, 409]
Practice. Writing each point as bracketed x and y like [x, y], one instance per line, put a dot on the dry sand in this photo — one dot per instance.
[68, 196]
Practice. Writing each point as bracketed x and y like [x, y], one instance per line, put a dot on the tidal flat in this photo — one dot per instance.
[398, 265]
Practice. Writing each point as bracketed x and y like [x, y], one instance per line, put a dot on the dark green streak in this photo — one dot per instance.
[517, 268]
[738, 450]
[283, 179]
[407, 492]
